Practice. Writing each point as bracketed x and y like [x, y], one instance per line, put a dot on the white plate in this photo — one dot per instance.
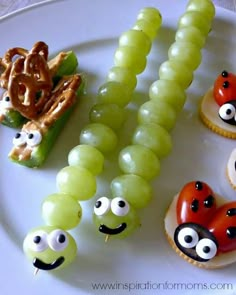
[91, 29]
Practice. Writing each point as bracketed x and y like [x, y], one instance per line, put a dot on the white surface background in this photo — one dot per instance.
[7, 6]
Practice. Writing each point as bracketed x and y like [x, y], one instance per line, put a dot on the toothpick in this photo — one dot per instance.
[36, 271]
[107, 238]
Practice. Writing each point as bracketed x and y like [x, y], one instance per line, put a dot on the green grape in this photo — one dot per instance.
[145, 26]
[61, 210]
[123, 75]
[139, 160]
[116, 221]
[159, 112]
[186, 52]
[204, 6]
[114, 92]
[168, 91]
[137, 39]
[87, 157]
[100, 136]
[177, 71]
[152, 15]
[135, 189]
[76, 181]
[109, 114]
[196, 19]
[190, 34]
[130, 57]
[154, 137]
[49, 248]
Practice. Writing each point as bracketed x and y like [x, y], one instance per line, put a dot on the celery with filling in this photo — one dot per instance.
[40, 152]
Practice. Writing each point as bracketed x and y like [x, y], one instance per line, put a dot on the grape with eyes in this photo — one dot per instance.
[49, 248]
[115, 217]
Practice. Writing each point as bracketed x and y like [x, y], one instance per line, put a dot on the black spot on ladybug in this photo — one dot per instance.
[226, 84]
[224, 74]
[231, 212]
[199, 185]
[231, 232]
[209, 201]
[195, 205]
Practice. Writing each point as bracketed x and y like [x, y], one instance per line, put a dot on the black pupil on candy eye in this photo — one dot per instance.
[231, 232]
[31, 135]
[209, 201]
[7, 98]
[37, 239]
[121, 204]
[226, 84]
[198, 185]
[17, 135]
[98, 204]
[224, 74]
[228, 111]
[195, 205]
[188, 239]
[61, 239]
[206, 249]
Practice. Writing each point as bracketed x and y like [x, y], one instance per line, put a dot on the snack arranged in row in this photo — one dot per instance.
[151, 141]
[38, 96]
[52, 246]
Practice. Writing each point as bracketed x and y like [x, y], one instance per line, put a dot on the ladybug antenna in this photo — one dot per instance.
[224, 74]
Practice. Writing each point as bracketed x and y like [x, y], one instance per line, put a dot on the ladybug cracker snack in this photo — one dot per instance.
[218, 106]
[201, 226]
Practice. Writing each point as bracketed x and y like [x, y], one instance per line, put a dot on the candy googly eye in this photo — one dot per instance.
[20, 138]
[120, 206]
[58, 240]
[5, 103]
[38, 241]
[102, 206]
[188, 237]
[206, 249]
[34, 138]
[227, 111]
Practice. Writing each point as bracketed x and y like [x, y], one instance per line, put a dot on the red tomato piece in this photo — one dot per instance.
[196, 203]
[225, 88]
[223, 227]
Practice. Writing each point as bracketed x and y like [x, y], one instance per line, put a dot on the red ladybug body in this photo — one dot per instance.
[223, 227]
[196, 203]
[225, 88]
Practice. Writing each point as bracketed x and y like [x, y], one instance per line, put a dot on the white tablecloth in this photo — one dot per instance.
[7, 6]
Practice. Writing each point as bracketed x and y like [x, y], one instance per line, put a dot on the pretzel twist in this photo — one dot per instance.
[10, 58]
[31, 89]
[63, 97]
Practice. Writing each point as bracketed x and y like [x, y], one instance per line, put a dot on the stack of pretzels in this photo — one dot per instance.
[26, 76]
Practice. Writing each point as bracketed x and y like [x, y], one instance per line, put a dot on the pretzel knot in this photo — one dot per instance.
[40, 48]
[12, 56]
[36, 94]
